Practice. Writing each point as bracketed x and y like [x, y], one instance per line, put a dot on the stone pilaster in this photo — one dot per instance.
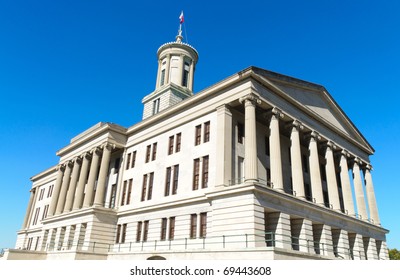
[72, 185]
[275, 151]
[64, 188]
[346, 186]
[224, 146]
[369, 186]
[358, 188]
[250, 171]
[341, 242]
[87, 202]
[333, 190]
[358, 246]
[82, 181]
[56, 190]
[282, 232]
[101, 184]
[370, 248]
[315, 172]
[296, 164]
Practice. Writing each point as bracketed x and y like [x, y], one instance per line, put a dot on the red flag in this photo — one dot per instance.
[181, 19]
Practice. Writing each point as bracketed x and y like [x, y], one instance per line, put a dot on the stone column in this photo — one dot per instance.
[72, 185]
[167, 68]
[82, 182]
[29, 209]
[101, 184]
[369, 186]
[181, 66]
[346, 186]
[275, 151]
[333, 190]
[56, 190]
[296, 164]
[358, 187]
[250, 147]
[64, 188]
[191, 75]
[315, 173]
[92, 179]
[224, 146]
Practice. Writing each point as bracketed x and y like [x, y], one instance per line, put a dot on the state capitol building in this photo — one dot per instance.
[257, 166]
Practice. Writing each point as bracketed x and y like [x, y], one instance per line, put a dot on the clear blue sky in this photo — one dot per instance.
[67, 64]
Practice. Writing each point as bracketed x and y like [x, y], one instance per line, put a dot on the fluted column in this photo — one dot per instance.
[64, 188]
[333, 190]
[275, 150]
[56, 191]
[29, 209]
[369, 186]
[358, 188]
[223, 174]
[250, 147]
[82, 182]
[92, 179]
[101, 183]
[346, 186]
[315, 172]
[72, 185]
[296, 164]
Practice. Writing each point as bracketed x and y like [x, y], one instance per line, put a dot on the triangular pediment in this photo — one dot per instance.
[315, 100]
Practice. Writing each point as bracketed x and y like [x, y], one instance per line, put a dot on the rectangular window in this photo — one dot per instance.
[203, 225]
[162, 77]
[163, 229]
[116, 165]
[206, 132]
[156, 106]
[133, 159]
[139, 231]
[205, 172]
[193, 226]
[123, 233]
[35, 219]
[154, 154]
[171, 228]
[167, 181]
[323, 172]
[196, 174]
[128, 162]
[123, 194]
[28, 247]
[178, 143]
[50, 192]
[144, 187]
[41, 194]
[240, 130]
[148, 151]
[128, 197]
[113, 196]
[171, 145]
[150, 190]
[145, 230]
[118, 234]
[305, 163]
[267, 151]
[176, 178]
[197, 138]
[45, 210]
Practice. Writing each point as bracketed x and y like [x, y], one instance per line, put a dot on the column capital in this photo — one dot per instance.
[313, 136]
[369, 167]
[95, 150]
[86, 155]
[60, 167]
[345, 153]
[251, 97]
[330, 145]
[295, 124]
[108, 146]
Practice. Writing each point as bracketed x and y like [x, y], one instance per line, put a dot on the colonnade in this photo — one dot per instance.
[81, 182]
[314, 143]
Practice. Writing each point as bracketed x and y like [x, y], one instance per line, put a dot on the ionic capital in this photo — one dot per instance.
[368, 167]
[250, 98]
[86, 155]
[60, 167]
[295, 125]
[313, 136]
[330, 145]
[107, 146]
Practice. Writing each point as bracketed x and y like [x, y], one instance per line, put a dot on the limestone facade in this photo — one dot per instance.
[257, 166]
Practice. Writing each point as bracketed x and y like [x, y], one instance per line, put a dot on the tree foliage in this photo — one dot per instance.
[394, 254]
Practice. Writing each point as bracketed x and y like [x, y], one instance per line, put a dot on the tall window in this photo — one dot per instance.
[121, 233]
[139, 231]
[50, 192]
[193, 226]
[162, 80]
[154, 154]
[144, 187]
[196, 174]
[45, 210]
[203, 225]
[197, 139]
[178, 143]
[185, 74]
[156, 106]
[174, 142]
[163, 229]
[205, 172]
[171, 228]
[128, 161]
[151, 153]
[133, 159]
[240, 130]
[35, 219]
[113, 196]
[123, 193]
[150, 190]
[145, 230]
[167, 181]
[171, 145]
[148, 151]
[206, 132]
[128, 197]
[176, 178]
[171, 180]
[41, 194]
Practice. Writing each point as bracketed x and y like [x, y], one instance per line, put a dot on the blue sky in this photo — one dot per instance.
[66, 65]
